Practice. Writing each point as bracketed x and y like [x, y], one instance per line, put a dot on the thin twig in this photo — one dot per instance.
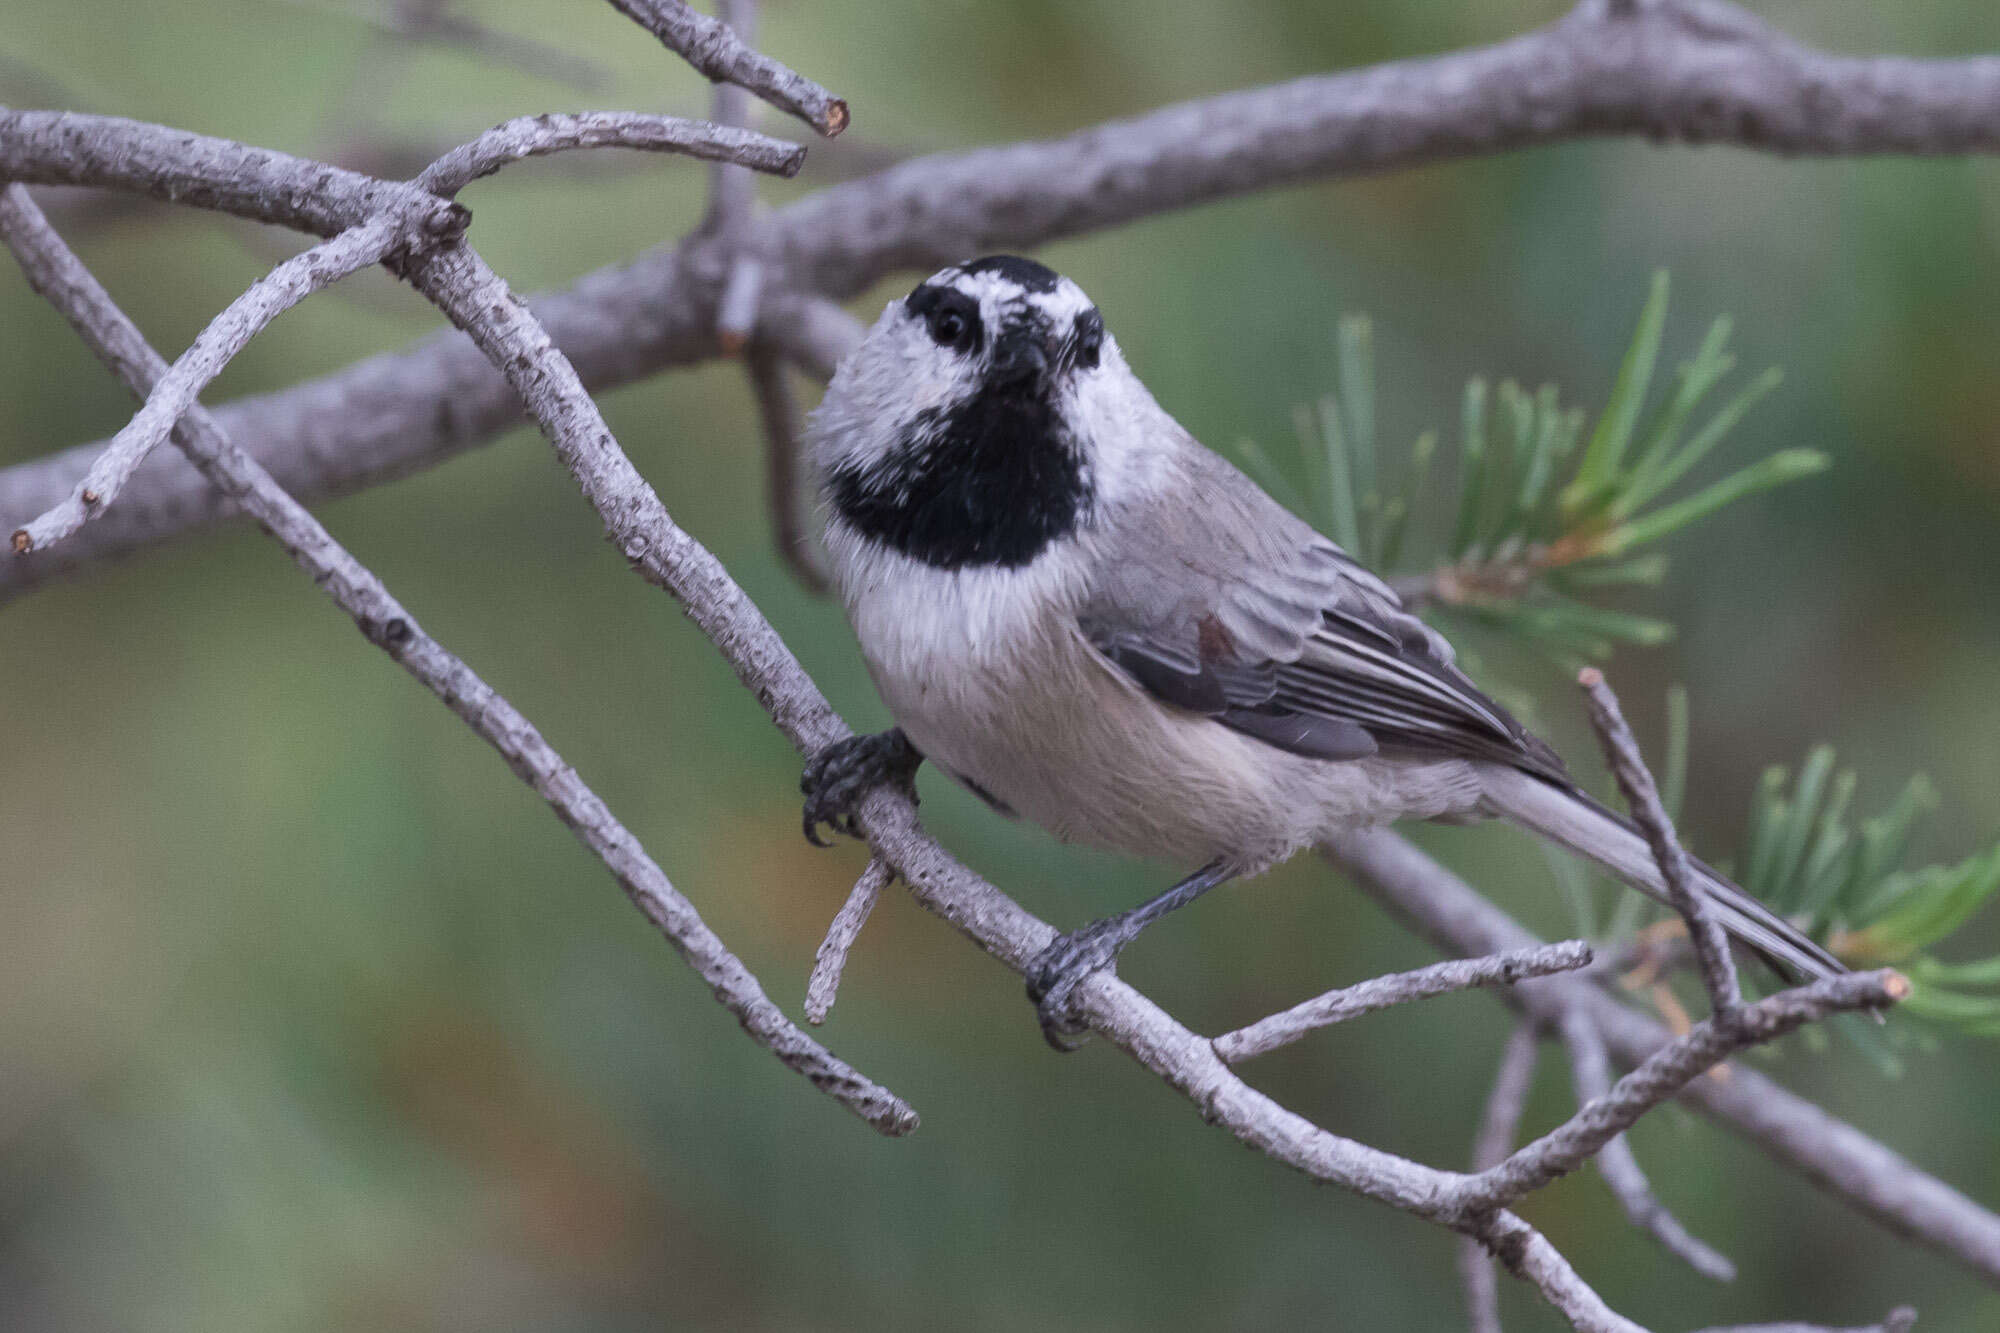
[1711, 945]
[1497, 1128]
[537, 136]
[732, 194]
[778, 414]
[831, 960]
[1457, 974]
[226, 335]
[58, 275]
[1529, 1255]
[1590, 1067]
[711, 47]
[1670, 1069]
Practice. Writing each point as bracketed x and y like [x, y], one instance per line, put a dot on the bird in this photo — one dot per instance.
[1095, 623]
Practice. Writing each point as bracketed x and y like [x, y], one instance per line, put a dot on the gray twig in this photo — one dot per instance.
[1529, 1255]
[713, 48]
[59, 276]
[831, 960]
[1456, 974]
[1711, 945]
[1497, 1128]
[537, 136]
[1673, 1067]
[732, 194]
[226, 335]
[1590, 1067]
[778, 415]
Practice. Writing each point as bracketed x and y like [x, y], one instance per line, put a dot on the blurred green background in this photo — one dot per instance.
[311, 1016]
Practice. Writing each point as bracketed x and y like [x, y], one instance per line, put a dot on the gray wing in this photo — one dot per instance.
[1215, 599]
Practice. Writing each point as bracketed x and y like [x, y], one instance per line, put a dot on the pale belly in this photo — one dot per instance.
[1004, 694]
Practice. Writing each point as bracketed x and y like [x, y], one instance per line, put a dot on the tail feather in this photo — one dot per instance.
[1573, 820]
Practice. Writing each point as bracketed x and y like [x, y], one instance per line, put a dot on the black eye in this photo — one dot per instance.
[950, 317]
[1088, 339]
[947, 328]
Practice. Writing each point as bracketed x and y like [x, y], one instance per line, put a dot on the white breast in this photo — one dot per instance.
[987, 673]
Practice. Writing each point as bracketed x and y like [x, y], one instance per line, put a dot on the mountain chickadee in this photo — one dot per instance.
[1090, 620]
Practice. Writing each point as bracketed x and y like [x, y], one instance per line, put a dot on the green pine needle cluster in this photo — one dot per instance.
[1848, 886]
[1544, 516]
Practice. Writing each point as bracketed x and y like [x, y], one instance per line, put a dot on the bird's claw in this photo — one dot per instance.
[1056, 972]
[839, 776]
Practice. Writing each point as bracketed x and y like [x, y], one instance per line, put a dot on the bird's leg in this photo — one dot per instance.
[838, 777]
[1054, 973]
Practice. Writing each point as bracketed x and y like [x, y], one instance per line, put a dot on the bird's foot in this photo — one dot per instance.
[1056, 972]
[838, 777]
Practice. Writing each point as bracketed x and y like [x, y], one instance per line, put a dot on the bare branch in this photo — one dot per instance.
[732, 195]
[1666, 70]
[1497, 1127]
[59, 276]
[778, 414]
[175, 167]
[537, 136]
[831, 961]
[1621, 749]
[1672, 1067]
[714, 49]
[1590, 1065]
[226, 335]
[1337, 1006]
[1528, 1254]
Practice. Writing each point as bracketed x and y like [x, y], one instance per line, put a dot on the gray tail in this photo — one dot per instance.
[1573, 820]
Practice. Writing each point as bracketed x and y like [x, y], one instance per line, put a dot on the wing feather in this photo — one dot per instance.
[1215, 599]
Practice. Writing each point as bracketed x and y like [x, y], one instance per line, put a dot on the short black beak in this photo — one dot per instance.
[1018, 359]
